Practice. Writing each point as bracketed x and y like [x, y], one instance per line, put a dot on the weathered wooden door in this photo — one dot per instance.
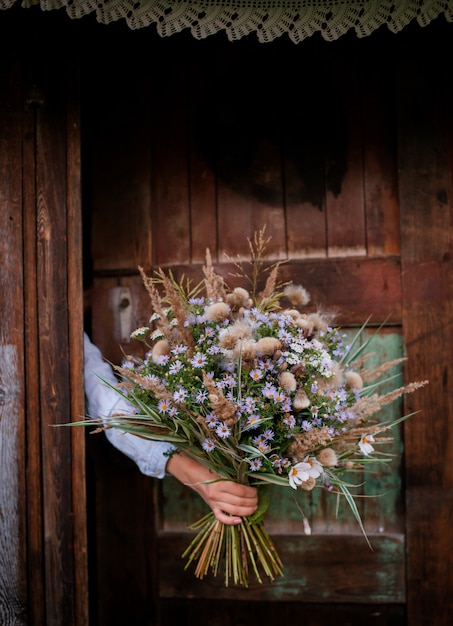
[355, 191]
[43, 554]
[353, 180]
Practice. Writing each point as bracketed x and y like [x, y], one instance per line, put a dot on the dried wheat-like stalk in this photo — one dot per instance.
[214, 283]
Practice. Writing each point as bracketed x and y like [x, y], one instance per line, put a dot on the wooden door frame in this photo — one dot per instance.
[45, 580]
[425, 146]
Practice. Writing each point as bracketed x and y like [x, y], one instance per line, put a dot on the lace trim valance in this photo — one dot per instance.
[268, 19]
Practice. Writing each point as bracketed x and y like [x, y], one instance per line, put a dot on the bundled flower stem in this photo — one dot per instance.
[234, 546]
[259, 392]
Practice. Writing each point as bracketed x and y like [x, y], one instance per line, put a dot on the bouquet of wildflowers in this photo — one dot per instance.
[259, 392]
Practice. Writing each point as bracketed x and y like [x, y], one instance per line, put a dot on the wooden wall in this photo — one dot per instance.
[343, 149]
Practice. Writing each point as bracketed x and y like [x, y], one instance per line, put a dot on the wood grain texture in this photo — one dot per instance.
[170, 137]
[319, 568]
[199, 158]
[214, 612]
[380, 159]
[75, 344]
[53, 356]
[119, 164]
[346, 231]
[355, 284]
[13, 504]
[426, 193]
[35, 540]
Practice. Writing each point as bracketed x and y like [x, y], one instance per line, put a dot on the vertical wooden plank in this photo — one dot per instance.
[306, 123]
[13, 581]
[53, 350]
[75, 326]
[344, 170]
[425, 140]
[242, 142]
[202, 181]
[170, 167]
[35, 545]
[116, 121]
[240, 217]
[305, 199]
[122, 503]
[380, 160]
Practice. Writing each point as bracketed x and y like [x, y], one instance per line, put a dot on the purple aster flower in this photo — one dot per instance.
[256, 374]
[208, 445]
[201, 395]
[163, 406]
[223, 431]
[179, 349]
[175, 367]
[211, 420]
[252, 421]
[289, 421]
[255, 464]
[199, 360]
[180, 394]
[269, 391]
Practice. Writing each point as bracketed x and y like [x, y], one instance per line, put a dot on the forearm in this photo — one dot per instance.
[228, 500]
[103, 402]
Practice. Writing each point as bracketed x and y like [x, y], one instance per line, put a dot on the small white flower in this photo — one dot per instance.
[208, 445]
[180, 394]
[298, 474]
[139, 333]
[301, 472]
[156, 334]
[256, 374]
[223, 431]
[211, 420]
[198, 360]
[255, 464]
[365, 444]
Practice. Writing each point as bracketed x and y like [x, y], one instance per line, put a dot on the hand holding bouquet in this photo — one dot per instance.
[258, 391]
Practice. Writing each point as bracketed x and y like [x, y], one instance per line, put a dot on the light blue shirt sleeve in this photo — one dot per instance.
[103, 402]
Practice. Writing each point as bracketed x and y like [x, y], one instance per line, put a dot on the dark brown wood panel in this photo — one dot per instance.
[344, 163]
[251, 196]
[225, 613]
[202, 180]
[75, 344]
[13, 504]
[170, 193]
[229, 156]
[380, 158]
[118, 166]
[53, 354]
[344, 138]
[35, 540]
[425, 150]
[322, 568]
[41, 258]
[122, 568]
